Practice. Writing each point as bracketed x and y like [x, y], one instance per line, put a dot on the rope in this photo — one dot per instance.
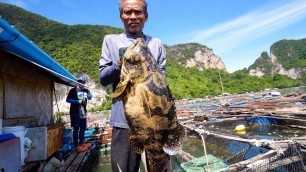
[204, 146]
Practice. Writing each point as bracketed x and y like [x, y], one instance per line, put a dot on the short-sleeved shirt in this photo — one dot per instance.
[110, 72]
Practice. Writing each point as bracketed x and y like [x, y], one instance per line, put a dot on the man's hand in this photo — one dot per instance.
[119, 62]
[121, 56]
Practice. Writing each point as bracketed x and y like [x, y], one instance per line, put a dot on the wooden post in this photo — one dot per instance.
[222, 89]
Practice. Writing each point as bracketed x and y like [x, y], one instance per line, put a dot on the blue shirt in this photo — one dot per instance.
[110, 72]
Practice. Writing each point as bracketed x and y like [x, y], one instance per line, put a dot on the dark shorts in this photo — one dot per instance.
[121, 155]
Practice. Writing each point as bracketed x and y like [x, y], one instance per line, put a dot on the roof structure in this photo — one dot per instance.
[14, 42]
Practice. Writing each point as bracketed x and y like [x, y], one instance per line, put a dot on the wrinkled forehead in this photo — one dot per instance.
[133, 5]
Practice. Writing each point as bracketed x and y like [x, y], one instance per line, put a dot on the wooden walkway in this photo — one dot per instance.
[74, 161]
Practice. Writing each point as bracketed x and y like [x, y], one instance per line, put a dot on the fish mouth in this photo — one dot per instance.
[131, 51]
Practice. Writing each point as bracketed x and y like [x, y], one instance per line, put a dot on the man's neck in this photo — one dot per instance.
[130, 35]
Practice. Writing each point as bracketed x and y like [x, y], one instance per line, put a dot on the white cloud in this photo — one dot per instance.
[35, 1]
[227, 36]
[67, 3]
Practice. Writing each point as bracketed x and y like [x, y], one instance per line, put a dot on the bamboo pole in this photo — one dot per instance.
[297, 126]
[269, 143]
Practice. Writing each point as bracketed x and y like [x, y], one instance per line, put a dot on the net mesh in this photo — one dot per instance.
[289, 157]
[289, 160]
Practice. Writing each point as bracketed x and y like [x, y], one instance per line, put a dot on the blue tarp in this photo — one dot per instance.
[16, 43]
[4, 137]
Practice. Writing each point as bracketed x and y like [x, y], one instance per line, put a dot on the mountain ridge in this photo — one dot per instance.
[287, 57]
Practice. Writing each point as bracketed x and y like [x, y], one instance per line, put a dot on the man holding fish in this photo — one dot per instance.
[138, 125]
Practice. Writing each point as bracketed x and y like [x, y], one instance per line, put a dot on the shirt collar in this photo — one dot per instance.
[129, 35]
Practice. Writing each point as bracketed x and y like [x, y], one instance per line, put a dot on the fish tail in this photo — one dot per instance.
[157, 160]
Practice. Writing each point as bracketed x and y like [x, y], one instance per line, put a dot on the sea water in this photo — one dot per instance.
[221, 148]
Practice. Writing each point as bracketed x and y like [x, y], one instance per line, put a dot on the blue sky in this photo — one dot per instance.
[237, 30]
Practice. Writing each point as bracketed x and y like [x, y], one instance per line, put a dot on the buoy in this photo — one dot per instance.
[240, 129]
[241, 132]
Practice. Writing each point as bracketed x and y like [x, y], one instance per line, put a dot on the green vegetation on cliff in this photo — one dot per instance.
[290, 53]
[264, 63]
[192, 83]
[181, 52]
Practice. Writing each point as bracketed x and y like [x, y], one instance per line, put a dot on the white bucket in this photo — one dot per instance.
[18, 131]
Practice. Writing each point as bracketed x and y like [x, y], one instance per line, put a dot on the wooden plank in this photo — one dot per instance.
[29, 166]
[24, 85]
[69, 160]
[288, 117]
[54, 138]
[291, 112]
[76, 163]
[19, 120]
[19, 92]
[297, 126]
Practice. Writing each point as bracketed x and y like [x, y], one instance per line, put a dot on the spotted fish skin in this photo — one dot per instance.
[149, 107]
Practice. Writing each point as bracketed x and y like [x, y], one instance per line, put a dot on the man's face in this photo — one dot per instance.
[81, 84]
[133, 16]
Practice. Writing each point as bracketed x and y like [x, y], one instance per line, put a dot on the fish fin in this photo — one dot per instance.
[121, 87]
[176, 135]
[175, 138]
[135, 144]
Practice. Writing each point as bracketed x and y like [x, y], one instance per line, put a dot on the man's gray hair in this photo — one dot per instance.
[145, 6]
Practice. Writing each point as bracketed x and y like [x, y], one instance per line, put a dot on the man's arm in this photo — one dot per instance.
[162, 59]
[109, 71]
[70, 98]
[74, 101]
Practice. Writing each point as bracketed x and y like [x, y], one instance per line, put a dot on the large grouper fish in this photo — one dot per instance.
[149, 107]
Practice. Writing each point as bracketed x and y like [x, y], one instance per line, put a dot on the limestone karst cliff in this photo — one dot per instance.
[194, 55]
[287, 57]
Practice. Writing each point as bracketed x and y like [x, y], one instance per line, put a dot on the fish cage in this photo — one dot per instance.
[264, 143]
